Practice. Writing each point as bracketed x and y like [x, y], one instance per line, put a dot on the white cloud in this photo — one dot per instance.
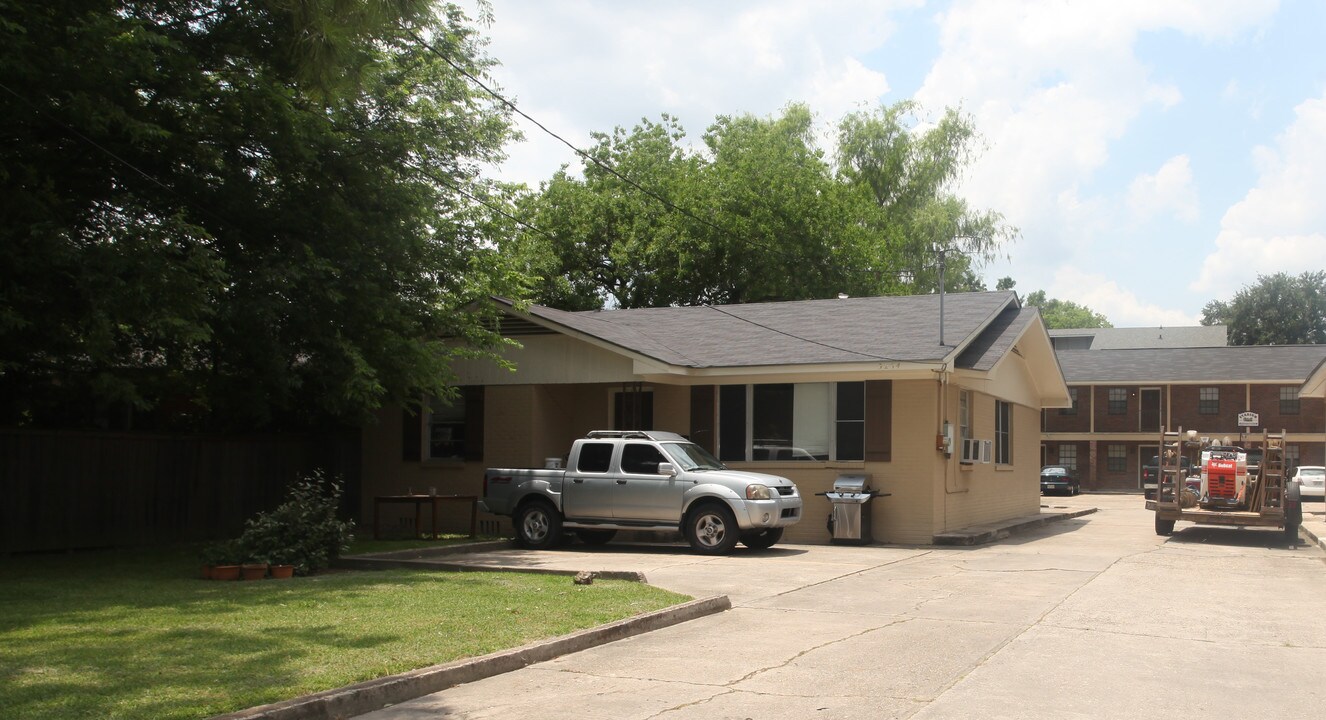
[1169, 190]
[608, 64]
[1120, 306]
[1280, 224]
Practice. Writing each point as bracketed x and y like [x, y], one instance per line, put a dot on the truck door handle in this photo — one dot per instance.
[621, 482]
[577, 480]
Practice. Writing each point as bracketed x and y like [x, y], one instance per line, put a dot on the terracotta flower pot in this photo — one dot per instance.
[282, 572]
[225, 572]
[253, 571]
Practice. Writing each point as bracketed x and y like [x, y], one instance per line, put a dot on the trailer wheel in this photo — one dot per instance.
[1164, 527]
[1293, 518]
[538, 525]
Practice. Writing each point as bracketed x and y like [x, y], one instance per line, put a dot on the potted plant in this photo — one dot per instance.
[303, 531]
[221, 560]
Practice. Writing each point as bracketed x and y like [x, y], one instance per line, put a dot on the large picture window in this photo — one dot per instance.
[792, 421]
[1003, 433]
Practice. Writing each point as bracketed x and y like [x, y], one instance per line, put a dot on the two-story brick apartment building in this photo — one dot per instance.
[1122, 398]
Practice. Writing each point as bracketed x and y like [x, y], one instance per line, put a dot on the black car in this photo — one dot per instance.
[1058, 478]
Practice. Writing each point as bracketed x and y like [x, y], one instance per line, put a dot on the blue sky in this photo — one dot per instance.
[1155, 154]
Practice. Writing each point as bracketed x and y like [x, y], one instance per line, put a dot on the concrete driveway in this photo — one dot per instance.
[1093, 617]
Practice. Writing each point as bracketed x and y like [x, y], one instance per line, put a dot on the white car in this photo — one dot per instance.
[1312, 481]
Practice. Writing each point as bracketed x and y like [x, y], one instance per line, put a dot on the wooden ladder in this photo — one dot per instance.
[1271, 475]
[1169, 474]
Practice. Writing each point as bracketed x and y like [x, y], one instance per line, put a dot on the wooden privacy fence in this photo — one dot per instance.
[66, 490]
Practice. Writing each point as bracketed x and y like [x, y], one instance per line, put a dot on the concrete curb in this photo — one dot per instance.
[1312, 536]
[367, 562]
[981, 534]
[373, 695]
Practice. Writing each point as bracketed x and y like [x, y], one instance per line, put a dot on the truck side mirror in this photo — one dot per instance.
[667, 468]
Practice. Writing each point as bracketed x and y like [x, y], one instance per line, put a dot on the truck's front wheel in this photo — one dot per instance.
[538, 525]
[712, 529]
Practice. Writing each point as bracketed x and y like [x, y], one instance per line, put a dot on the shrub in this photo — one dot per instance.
[303, 530]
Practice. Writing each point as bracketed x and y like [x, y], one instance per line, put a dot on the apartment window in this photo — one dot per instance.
[1288, 401]
[1291, 456]
[1116, 458]
[1118, 401]
[787, 421]
[964, 414]
[1208, 401]
[1003, 433]
[1068, 456]
[1072, 392]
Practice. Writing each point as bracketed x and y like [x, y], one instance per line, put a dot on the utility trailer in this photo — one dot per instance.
[1228, 494]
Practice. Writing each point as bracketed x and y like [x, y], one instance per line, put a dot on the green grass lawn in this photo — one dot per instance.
[135, 634]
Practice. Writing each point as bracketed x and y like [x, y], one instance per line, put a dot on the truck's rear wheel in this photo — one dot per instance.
[762, 539]
[1164, 527]
[595, 537]
[712, 529]
[538, 525]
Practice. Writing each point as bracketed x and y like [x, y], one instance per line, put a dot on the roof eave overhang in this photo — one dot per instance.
[828, 372]
[1315, 386]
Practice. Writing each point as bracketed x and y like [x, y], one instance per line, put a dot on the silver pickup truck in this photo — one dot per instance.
[643, 480]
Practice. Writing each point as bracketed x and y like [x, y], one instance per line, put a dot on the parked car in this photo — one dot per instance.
[1312, 482]
[642, 480]
[1059, 478]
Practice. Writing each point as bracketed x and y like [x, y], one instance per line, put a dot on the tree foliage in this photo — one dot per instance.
[759, 213]
[238, 213]
[1064, 314]
[1279, 309]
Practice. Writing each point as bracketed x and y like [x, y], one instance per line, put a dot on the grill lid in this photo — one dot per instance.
[850, 484]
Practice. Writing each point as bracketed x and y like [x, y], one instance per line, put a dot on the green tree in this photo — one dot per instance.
[759, 214]
[1062, 314]
[239, 213]
[1279, 309]
[908, 176]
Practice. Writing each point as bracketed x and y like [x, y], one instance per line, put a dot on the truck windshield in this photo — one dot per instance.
[690, 456]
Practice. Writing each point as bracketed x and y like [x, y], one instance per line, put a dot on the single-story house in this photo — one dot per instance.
[890, 387]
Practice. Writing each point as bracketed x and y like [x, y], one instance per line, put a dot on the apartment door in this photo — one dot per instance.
[1149, 419]
[1144, 455]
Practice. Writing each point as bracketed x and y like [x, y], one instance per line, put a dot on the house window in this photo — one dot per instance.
[1116, 458]
[787, 421]
[1068, 456]
[633, 410]
[1072, 393]
[446, 429]
[964, 414]
[850, 418]
[1118, 404]
[1003, 433]
[1208, 401]
[1288, 401]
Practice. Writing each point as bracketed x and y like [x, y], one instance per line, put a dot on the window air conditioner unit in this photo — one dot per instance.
[974, 451]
